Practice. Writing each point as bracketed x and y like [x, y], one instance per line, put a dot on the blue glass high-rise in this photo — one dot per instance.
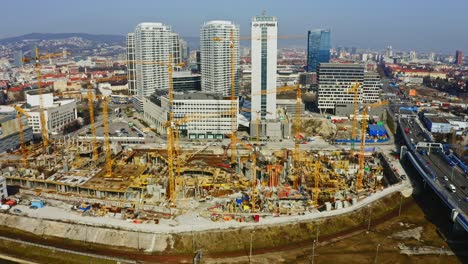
[318, 48]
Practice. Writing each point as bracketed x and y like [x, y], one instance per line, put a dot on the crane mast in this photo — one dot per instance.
[45, 134]
[91, 122]
[106, 139]
[360, 174]
[233, 103]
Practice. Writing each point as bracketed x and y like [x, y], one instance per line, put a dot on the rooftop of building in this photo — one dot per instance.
[264, 18]
[438, 119]
[196, 95]
[219, 22]
[341, 65]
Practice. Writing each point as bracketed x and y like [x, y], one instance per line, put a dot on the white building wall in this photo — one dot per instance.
[371, 88]
[153, 44]
[56, 117]
[34, 99]
[215, 41]
[264, 31]
[335, 80]
[218, 125]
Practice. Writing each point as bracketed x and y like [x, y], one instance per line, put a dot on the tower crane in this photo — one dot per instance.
[24, 151]
[37, 58]
[91, 121]
[297, 118]
[107, 147]
[360, 174]
[233, 86]
[316, 180]
[355, 91]
[171, 129]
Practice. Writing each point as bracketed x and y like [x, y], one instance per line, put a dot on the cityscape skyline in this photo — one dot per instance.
[403, 28]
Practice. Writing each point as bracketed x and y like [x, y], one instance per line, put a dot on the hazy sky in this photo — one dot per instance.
[425, 25]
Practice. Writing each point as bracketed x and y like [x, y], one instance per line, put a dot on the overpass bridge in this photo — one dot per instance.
[436, 170]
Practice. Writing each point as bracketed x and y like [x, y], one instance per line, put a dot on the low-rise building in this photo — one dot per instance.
[196, 106]
[437, 124]
[57, 113]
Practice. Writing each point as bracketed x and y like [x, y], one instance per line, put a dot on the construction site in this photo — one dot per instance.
[240, 181]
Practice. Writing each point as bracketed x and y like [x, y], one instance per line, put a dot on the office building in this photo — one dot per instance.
[459, 57]
[371, 88]
[215, 51]
[318, 48]
[186, 81]
[152, 45]
[57, 114]
[389, 52]
[9, 129]
[131, 66]
[18, 59]
[413, 55]
[216, 126]
[335, 79]
[264, 32]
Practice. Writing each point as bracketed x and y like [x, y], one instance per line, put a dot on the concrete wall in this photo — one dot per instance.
[152, 242]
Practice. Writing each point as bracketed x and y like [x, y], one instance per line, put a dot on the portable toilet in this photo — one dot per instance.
[37, 203]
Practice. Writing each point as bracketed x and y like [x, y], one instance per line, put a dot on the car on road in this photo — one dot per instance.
[445, 178]
[33, 207]
[403, 177]
[451, 188]
[465, 199]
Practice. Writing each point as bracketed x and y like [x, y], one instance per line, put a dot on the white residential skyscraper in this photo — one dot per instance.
[215, 41]
[131, 67]
[148, 50]
[264, 54]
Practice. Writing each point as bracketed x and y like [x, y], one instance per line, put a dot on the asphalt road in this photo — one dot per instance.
[435, 161]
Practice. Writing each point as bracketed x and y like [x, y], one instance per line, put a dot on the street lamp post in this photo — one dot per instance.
[376, 253]
[250, 253]
[313, 252]
[370, 217]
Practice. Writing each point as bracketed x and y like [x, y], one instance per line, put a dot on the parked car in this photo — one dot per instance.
[445, 178]
[33, 207]
[17, 211]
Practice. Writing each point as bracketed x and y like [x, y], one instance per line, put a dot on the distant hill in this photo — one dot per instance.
[50, 36]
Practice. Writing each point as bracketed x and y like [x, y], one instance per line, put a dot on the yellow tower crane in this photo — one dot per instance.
[107, 147]
[171, 129]
[355, 91]
[91, 122]
[297, 118]
[360, 174]
[37, 58]
[316, 180]
[24, 151]
[233, 86]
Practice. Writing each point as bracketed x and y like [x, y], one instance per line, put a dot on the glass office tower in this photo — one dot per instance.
[318, 48]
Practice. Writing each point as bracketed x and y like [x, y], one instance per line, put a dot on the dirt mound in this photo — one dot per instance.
[318, 126]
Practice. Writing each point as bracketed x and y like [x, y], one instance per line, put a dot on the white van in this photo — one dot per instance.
[452, 188]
